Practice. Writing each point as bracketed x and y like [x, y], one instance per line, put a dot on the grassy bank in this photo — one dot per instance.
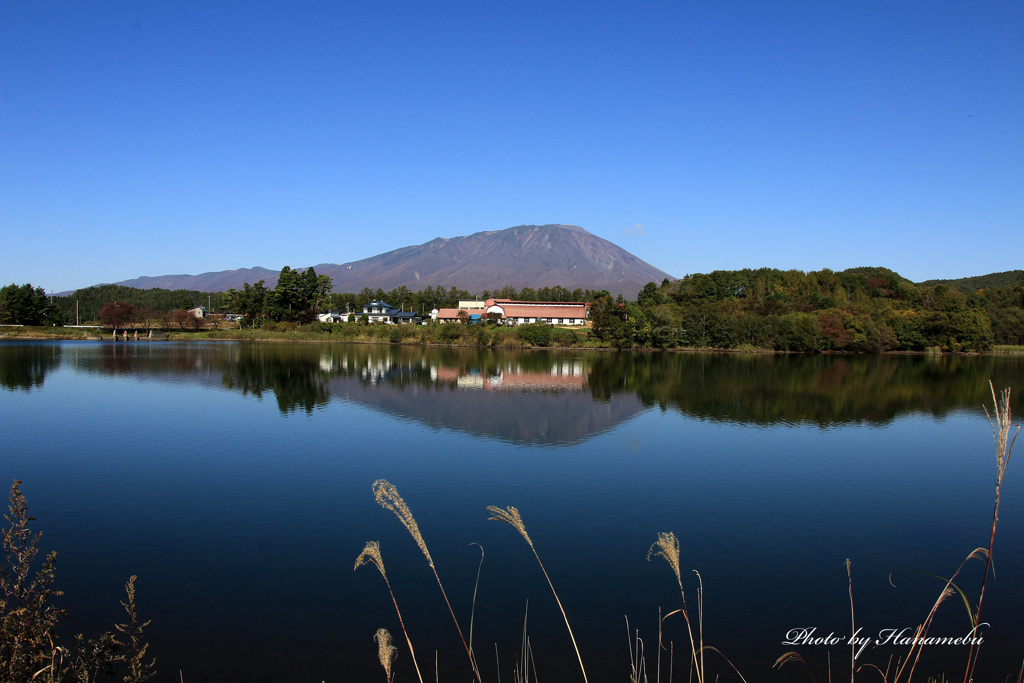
[538, 335]
[26, 332]
[1008, 350]
[523, 336]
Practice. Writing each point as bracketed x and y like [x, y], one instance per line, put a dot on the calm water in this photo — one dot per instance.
[235, 481]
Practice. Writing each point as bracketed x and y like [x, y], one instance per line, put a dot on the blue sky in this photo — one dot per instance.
[150, 138]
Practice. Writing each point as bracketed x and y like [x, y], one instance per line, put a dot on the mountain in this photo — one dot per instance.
[523, 256]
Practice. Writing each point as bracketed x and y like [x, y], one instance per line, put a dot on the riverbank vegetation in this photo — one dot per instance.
[32, 647]
[534, 335]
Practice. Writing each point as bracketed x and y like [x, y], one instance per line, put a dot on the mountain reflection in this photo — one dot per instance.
[542, 397]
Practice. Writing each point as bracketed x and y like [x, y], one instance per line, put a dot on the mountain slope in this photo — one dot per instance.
[523, 256]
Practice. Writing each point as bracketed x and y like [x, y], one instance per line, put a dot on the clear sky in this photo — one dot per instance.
[152, 138]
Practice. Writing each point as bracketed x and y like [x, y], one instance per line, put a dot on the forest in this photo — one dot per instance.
[855, 310]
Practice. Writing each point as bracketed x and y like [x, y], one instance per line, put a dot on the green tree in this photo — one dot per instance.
[251, 303]
[28, 305]
[317, 289]
[649, 295]
[285, 300]
[610, 322]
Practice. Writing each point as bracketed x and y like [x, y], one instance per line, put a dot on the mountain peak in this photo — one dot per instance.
[520, 256]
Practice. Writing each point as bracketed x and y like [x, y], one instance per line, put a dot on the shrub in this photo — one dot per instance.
[448, 333]
[563, 337]
[320, 326]
[483, 337]
[282, 326]
[537, 334]
[347, 330]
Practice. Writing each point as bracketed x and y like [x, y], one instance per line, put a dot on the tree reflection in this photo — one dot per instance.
[785, 389]
[562, 390]
[23, 367]
[293, 374]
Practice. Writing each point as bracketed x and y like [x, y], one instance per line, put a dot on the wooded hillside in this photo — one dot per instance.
[860, 309]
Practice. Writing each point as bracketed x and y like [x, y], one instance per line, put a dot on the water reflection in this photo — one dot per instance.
[572, 395]
[282, 506]
[297, 380]
[821, 390]
[23, 367]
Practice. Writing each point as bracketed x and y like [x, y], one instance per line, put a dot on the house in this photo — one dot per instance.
[517, 312]
[378, 311]
[333, 317]
[454, 315]
[382, 312]
[551, 312]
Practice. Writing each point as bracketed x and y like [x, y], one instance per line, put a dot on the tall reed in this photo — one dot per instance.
[667, 546]
[387, 496]
[511, 516]
[1001, 425]
[371, 555]
[386, 652]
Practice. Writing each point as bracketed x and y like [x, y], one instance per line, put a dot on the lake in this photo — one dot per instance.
[235, 480]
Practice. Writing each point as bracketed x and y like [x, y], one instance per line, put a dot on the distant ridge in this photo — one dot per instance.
[521, 256]
[220, 281]
[1006, 278]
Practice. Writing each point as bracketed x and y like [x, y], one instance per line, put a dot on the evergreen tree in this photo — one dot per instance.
[28, 305]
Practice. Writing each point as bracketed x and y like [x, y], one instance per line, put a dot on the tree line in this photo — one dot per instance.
[300, 295]
[154, 302]
[858, 309]
[855, 310]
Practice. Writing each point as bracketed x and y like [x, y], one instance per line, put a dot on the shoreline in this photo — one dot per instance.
[256, 336]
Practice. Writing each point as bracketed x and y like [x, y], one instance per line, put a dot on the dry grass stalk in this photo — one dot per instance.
[371, 555]
[788, 657]
[386, 652]
[472, 611]
[511, 516]
[138, 668]
[637, 659]
[387, 496]
[1002, 424]
[853, 624]
[667, 546]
